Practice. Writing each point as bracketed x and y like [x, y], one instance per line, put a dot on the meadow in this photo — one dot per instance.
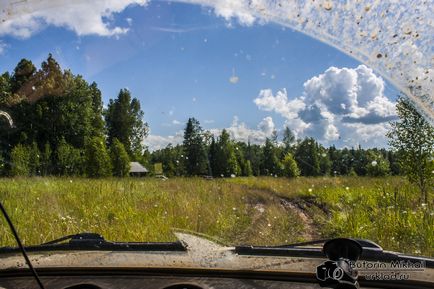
[250, 210]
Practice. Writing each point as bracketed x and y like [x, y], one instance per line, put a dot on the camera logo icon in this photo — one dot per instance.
[337, 274]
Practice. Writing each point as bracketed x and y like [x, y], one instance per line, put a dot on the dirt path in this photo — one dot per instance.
[303, 207]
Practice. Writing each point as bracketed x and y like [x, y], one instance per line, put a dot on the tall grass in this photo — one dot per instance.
[238, 210]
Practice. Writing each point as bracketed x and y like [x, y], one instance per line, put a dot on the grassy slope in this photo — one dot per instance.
[239, 210]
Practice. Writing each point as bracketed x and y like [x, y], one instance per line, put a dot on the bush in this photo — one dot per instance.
[69, 159]
[290, 166]
[120, 159]
[97, 160]
[20, 160]
[377, 165]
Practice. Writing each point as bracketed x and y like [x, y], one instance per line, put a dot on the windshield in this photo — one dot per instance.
[252, 122]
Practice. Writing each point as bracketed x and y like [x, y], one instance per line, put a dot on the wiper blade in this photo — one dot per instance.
[93, 241]
[371, 252]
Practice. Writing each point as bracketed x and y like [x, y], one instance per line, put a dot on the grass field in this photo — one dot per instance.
[237, 211]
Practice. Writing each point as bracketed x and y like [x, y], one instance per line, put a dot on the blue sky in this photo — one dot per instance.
[182, 60]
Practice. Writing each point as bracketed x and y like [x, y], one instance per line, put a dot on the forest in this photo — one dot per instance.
[61, 128]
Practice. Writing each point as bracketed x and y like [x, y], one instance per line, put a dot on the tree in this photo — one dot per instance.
[225, 158]
[248, 171]
[377, 165]
[290, 166]
[124, 121]
[97, 159]
[195, 157]
[69, 160]
[20, 159]
[46, 162]
[22, 73]
[119, 158]
[325, 163]
[413, 138]
[270, 164]
[34, 159]
[288, 139]
[307, 157]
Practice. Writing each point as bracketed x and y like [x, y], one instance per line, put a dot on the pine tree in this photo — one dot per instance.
[307, 157]
[270, 164]
[195, 155]
[290, 166]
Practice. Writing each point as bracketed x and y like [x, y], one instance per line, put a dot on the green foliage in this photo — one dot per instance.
[248, 171]
[307, 157]
[97, 159]
[413, 138]
[120, 159]
[290, 166]
[271, 164]
[46, 161]
[124, 121]
[22, 73]
[20, 159]
[377, 166]
[69, 160]
[225, 161]
[34, 160]
[171, 158]
[195, 155]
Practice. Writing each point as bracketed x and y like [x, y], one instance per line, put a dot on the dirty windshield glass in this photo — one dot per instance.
[251, 122]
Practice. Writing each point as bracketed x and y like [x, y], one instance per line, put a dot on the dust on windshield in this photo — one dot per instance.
[132, 119]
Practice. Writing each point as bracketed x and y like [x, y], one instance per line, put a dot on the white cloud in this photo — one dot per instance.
[240, 132]
[27, 17]
[156, 142]
[237, 130]
[336, 103]
[176, 122]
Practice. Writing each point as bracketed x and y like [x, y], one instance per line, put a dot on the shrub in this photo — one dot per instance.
[290, 166]
[20, 159]
[119, 159]
[97, 160]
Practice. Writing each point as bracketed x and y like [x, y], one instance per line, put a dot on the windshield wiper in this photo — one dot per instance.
[371, 251]
[93, 241]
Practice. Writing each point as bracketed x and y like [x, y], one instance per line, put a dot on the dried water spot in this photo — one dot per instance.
[328, 5]
[379, 55]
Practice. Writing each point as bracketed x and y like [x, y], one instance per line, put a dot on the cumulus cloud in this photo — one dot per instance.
[238, 131]
[337, 102]
[156, 142]
[22, 19]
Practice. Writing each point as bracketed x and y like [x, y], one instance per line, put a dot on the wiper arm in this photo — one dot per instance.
[371, 251]
[93, 241]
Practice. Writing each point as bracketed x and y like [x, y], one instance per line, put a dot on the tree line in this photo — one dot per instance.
[202, 153]
[61, 128]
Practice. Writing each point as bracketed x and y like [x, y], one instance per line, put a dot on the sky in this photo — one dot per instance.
[182, 60]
